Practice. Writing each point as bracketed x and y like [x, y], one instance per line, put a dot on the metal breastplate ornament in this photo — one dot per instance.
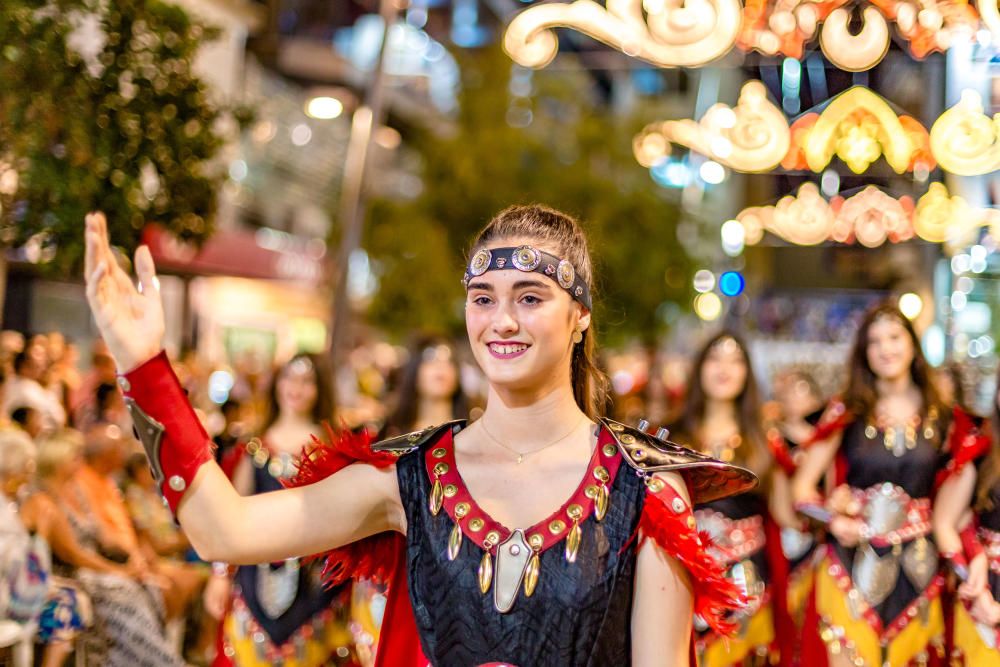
[892, 519]
[277, 587]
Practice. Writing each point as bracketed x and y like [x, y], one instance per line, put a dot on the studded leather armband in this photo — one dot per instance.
[176, 444]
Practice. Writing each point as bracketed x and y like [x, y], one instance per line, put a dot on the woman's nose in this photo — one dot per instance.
[504, 321]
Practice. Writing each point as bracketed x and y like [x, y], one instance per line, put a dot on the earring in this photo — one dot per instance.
[577, 336]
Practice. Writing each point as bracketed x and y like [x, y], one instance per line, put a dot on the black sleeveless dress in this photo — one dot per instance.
[579, 615]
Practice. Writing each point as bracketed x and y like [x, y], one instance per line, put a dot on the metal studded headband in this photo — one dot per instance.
[530, 260]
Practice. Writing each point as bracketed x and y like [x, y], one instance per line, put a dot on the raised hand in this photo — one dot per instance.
[130, 320]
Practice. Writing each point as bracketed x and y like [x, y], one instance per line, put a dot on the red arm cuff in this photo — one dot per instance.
[175, 441]
[967, 442]
[971, 546]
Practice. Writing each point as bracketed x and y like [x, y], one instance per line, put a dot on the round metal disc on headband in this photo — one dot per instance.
[480, 262]
[526, 258]
[565, 274]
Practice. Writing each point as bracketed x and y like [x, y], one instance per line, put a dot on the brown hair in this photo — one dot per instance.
[563, 235]
[861, 396]
[755, 454]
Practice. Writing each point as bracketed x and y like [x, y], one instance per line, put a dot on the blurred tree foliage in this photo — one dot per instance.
[100, 109]
[572, 157]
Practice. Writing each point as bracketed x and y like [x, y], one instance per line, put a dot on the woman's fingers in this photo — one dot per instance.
[146, 270]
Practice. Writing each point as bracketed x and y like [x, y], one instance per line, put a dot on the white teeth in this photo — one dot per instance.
[508, 349]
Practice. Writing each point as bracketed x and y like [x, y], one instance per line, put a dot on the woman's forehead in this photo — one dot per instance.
[516, 241]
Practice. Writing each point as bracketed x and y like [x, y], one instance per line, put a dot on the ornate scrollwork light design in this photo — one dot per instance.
[666, 33]
[871, 217]
[689, 33]
[966, 141]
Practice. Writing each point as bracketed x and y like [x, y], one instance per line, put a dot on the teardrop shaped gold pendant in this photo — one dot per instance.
[573, 542]
[454, 542]
[437, 497]
[531, 575]
[601, 502]
[485, 573]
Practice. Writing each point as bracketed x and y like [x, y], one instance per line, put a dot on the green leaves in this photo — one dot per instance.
[118, 123]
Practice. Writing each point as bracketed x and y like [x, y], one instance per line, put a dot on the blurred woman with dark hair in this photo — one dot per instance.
[281, 609]
[430, 388]
[883, 444]
[722, 418]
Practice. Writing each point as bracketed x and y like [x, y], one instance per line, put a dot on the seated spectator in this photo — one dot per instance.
[28, 420]
[24, 556]
[151, 518]
[127, 600]
[24, 389]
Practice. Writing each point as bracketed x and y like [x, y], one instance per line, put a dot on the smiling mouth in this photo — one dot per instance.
[507, 350]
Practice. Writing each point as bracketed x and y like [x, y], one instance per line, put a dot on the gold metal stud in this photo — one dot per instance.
[485, 573]
[628, 439]
[454, 542]
[461, 509]
[536, 541]
[609, 450]
[590, 492]
[493, 537]
[557, 526]
[441, 468]
[437, 497]
[476, 525]
[601, 474]
[574, 512]
[531, 575]
[601, 503]
[573, 542]
[450, 490]
[439, 453]
[655, 484]
[692, 522]
[617, 428]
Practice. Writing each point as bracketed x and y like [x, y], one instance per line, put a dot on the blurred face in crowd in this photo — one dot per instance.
[38, 349]
[437, 376]
[797, 397]
[296, 388]
[890, 349]
[724, 373]
[108, 447]
[57, 346]
[520, 327]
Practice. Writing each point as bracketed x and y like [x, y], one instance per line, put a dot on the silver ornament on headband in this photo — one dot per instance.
[480, 262]
[526, 258]
[565, 274]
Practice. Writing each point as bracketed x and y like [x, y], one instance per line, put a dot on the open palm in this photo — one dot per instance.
[130, 320]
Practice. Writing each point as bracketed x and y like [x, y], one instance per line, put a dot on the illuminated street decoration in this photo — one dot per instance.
[753, 136]
[857, 126]
[870, 217]
[689, 33]
[966, 141]
[673, 33]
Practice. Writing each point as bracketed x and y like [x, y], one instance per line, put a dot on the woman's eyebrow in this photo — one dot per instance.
[527, 284]
[481, 286]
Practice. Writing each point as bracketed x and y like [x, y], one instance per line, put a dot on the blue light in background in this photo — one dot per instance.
[670, 173]
[731, 283]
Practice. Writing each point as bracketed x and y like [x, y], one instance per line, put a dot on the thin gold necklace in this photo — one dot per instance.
[521, 455]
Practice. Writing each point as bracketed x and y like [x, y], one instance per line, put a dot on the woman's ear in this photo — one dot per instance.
[583, 322]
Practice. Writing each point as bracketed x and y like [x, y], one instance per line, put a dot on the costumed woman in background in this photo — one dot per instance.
[282, 608]
[429, 393]
[967, 531]
[800, 402]
[878, 587]
[722, 418]
[567, 539]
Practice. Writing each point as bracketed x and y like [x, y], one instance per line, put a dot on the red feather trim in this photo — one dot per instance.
[373, 557]
[835, 419]
[967, 442]
[780, 452]
[714, 595]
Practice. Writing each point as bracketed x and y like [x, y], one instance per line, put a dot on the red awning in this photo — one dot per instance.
[263, 253]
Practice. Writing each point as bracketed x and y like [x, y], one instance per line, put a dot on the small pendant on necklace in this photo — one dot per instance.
[520, 457]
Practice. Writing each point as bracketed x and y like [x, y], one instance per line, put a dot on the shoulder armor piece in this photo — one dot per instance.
[707, 478]
[405, 444]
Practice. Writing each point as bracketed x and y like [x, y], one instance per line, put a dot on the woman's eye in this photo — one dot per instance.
[530, 300]
[481, 301]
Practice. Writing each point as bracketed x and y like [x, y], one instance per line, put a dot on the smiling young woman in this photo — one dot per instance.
[541, 534]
